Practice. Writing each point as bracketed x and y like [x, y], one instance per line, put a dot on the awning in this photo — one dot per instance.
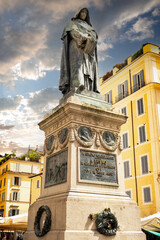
[151, 233]
[18, 222]
[151, 225]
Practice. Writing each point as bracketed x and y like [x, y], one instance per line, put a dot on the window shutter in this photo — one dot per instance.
[144, 163]
[19, 182]
[110, 96]
[147, 194]
[142, 134]
[10, 212]
[17, 212]
[140, 106]
[18, 196]
[119, 92]
[11, 196]
[126, 88]
[126, 169]
[13, 181]
[125, 140]
[134, 83]
[142, 78]
[128, 193]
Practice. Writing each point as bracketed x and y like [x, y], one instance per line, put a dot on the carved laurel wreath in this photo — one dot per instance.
[97, 138]
[47, 224]
[106, 222]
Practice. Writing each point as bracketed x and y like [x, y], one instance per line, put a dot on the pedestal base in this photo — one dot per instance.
[70, 217]
[83, 172]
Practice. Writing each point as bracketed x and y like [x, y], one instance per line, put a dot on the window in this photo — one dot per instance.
[0, 183]
[138, 80]
[109, 97]
[126, 169]
[3, 196]
[6, 168]
[122, 90]
[128, 192]
[16, 181]
[37, 183]
[142, 134]
[13, 212]
[147, 194]
[124, 111]
[1, 212]
[140, 106]
[125, 140]
[4, 183]
[17, 167]
[15, 196]
[144, 164]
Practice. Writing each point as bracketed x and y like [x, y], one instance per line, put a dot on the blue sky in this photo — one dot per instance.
[30, 53]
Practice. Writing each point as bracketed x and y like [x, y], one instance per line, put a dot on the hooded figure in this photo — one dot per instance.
[79, 66]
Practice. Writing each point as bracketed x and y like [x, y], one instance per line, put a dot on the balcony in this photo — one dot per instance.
[121, 96]
[134, 88]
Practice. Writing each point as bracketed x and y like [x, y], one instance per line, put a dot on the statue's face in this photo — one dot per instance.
[83, 14]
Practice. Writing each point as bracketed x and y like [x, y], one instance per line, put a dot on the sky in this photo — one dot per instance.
[30, 53]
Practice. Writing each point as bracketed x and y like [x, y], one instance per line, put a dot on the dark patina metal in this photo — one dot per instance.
[49, 143]
[56, 168]
[63, 135]
[106, 223]
[109, 138]
[98, 167]
[85, 133]
[47, 224]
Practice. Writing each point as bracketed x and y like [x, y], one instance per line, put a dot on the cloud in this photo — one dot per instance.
[5, 127]
[7, 147]
[10, 103]
[102, 47]
[44, 100]
[156, 12]
[60, 9]
[141, 29]
[30, 31]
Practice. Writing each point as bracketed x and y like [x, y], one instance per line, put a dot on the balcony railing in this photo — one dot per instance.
[136, 87]
[125, 94]
[121, 96]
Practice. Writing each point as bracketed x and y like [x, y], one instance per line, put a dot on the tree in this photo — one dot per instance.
[34, 156]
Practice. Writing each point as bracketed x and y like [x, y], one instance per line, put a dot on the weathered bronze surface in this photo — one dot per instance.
[98, 166]
[79, 64]
[63, 135]
[109, 138]
[85, 133]
[50, 142]
[56, 168]
[106, 223]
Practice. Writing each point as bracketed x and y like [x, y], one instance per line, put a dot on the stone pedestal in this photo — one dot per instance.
[83, 172]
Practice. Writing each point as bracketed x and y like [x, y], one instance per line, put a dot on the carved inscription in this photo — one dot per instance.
[98, 166]
[56, 168]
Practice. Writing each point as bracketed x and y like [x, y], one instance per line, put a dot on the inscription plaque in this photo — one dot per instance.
[56, 168]
[98, 167]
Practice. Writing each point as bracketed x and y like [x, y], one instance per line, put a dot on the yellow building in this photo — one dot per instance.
[135, 91]
[36, 182]
[15, 185]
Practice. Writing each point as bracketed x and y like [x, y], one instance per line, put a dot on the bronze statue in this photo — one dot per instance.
[79, 65]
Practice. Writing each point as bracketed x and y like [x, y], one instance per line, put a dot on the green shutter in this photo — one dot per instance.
[142, 78]
[119, 92]
[126, 88]
[134, 83]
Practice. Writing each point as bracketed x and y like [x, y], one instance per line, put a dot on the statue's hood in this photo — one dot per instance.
[77, 15]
